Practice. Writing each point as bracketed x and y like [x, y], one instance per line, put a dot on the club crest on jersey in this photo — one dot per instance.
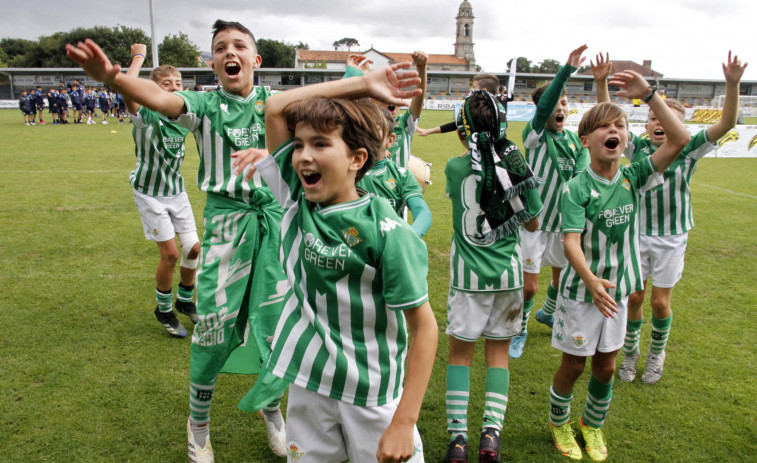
[391, 183]
[154, 232]
[626, 184]
[351, 238]
[579, 340]
[293, 451]
[260, 106]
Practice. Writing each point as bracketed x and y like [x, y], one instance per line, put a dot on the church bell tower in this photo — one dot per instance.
[464, 37]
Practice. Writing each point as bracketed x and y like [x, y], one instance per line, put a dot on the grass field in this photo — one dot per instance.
[88, 375]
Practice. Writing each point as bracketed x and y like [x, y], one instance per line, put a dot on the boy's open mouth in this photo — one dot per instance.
[612, 143]
[310, 178]
[232, 69]
[659, 133]
[559, 118]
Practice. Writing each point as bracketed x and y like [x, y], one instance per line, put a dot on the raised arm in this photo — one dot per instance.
[732, 72]
[677, 136]
[396, 444]
[145, 92]
[138, 54]
[551, 95]
[420, 59]
[601, 72]
[596, 286]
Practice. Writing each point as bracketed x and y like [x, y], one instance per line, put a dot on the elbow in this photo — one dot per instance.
[532, 224]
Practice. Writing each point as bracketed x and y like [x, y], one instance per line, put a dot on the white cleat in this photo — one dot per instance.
[276, 435]
[196, 453]
[653, 370]
[627, 372]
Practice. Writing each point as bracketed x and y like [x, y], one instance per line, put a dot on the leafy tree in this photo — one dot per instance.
[346, 42]
[276, 54]
[584, 68]
[11, 48]
[177, 50]
[548, 66]
[302, 46]
[522, 65]
[115, 42]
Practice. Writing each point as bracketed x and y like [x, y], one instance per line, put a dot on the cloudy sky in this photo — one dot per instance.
[683, 38]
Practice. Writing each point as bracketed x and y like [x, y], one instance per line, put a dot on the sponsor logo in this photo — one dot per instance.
[245, 137]
[391, 183]
[579, 340]
[309, 239]
[388, 225]
[351, 237]
[752, 143]
[728, 138]
[706, 115]
[595, 193]
[559, 336]
[293, 451]
[225, 108]
[321, 255]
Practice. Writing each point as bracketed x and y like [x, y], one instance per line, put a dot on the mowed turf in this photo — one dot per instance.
[88, 374]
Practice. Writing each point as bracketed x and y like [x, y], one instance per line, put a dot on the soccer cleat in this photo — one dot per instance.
[196, 453]
[276, 435]
[457, 452]
[171, 323]
[565, 441]
[517, 344]
[653, 370]
[488, 448]
[627, 372]
[105, 122]
[596, 445]
[189, 309]
[541, 317]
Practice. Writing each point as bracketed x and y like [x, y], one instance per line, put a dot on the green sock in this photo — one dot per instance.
[551, 301]
[597, 403]
[165, 300]
[559, 407]
[200, 397]
[527, 306]
[660, 333]
[495, 405]
[458, 391]
[633, 333]
[185, 293]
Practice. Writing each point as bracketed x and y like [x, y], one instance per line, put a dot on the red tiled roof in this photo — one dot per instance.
[328, 55]
[618, 66]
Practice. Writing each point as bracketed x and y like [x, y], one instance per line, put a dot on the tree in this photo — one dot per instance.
[522, 65]
[548, 66]
[14, 47]
[178, 51]
[347, 43]
[276, 54]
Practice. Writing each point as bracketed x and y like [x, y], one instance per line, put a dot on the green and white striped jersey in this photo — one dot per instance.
[404, 129]
[554, 157]
[159, 147]
[353, 268]
[605, 212]
[666, 210]
[222, 124]
[387, 180]
[476, 266]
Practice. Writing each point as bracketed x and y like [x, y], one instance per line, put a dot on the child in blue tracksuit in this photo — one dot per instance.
[103, 102]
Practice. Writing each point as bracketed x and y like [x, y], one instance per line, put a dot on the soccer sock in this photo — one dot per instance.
[200, 396]
[527, 306]
[559, 410]
[633, 333]
[458, 391]
[200, 431]
[551, 301]
[660, 333]
[495, 405]
[597, 403]
[272, 412]
[165, 300]
[185, 293]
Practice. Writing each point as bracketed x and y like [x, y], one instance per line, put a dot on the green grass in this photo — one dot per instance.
[87, 374]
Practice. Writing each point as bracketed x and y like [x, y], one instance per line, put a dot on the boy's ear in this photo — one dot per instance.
[584, 141]
[392, 138]
[258, 62]
[359, 158]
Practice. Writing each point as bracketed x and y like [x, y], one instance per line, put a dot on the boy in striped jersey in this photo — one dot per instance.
[405, 124]
[556, 156]
[357, 273]
[486, 280]
[240, 283]
[666, 218]
[161, 199]
[599, 210]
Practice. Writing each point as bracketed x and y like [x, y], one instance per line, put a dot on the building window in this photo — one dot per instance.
[466, 30]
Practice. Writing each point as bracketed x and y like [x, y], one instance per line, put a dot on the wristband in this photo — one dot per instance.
[652, 91]
[137, 54]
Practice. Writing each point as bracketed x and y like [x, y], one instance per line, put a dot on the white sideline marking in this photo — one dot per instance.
[727, 191]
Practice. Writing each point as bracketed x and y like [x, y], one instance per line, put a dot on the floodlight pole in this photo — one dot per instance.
[155, 60]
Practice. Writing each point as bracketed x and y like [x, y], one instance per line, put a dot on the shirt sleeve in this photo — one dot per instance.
[195, 109]
[572, 208]
[551, 97]
[404, 264]
[279, 175]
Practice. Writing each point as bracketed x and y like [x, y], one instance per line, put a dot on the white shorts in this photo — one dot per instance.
[662, 258]
[581, 329]
[164, 216]
[321, 429]
[493, 315]
[541, 249]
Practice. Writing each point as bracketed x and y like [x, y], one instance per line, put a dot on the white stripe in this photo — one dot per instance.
[369, 310]
[352, 375]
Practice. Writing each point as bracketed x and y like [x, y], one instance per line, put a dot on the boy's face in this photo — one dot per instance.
[556, 121]
[326, 165]
[654, 129]
[234, 61]
[607, 142]
[170, 82]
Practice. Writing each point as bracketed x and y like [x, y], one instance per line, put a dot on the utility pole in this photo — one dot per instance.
[155, 60]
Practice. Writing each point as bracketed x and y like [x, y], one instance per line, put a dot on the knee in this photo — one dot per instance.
[604, 373]
[636, 299]
[194, 252]
[170, 257]
[660, 304]
[530, 288]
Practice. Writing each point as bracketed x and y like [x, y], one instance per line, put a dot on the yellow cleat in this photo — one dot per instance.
[565, 441]
[596, 445]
